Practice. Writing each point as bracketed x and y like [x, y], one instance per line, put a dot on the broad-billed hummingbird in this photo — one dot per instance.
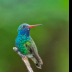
[26, 45]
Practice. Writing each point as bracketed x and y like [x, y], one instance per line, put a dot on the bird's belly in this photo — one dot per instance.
[29, 55]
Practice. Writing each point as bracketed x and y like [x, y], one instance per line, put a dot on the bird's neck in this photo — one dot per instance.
[25, 32]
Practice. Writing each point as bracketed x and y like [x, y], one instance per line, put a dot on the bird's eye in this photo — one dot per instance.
[23, 26]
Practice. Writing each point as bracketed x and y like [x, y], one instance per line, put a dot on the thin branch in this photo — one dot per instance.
[25, 59]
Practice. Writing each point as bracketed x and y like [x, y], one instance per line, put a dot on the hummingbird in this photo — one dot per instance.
[26, 44]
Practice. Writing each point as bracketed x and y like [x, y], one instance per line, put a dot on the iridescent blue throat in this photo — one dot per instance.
[25, 31]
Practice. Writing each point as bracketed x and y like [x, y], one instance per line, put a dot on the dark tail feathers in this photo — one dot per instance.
[37, 63]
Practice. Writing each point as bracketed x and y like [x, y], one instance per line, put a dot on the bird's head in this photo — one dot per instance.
[26, 26]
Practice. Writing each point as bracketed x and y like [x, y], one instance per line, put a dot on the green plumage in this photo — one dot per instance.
[26, 45]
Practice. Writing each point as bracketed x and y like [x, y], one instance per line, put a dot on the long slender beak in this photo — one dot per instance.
[30, 26]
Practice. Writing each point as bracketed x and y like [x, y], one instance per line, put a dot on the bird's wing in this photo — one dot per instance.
[33, 49]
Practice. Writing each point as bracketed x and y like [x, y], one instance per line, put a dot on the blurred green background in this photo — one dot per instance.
[52, 39]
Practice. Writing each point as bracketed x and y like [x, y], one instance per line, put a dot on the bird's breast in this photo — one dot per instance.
[20, 43]
[21, 39]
